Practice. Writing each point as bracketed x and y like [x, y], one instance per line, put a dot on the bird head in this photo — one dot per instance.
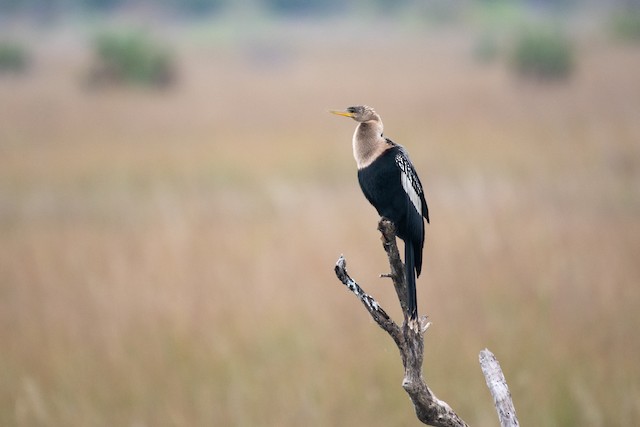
[359, 113]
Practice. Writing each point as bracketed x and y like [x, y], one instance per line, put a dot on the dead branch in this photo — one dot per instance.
[499, 390]
[409, 340]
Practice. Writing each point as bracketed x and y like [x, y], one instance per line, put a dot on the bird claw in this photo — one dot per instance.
[419, 325]
[424, 324]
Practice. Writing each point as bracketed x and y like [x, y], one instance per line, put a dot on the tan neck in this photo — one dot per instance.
[368, 142]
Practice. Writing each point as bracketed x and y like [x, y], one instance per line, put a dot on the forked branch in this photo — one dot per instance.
[409, 340]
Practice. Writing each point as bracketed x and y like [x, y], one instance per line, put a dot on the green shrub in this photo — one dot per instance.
[13, 57]
[626, 25]
[131, 57]
[543, 53]
[303, 7]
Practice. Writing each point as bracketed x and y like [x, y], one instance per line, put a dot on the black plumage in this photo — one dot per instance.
[390, 183]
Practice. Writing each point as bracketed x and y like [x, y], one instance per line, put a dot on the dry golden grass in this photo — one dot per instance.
[166, 258]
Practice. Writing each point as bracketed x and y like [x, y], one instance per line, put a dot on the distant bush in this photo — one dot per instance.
[626, 25]
[303, 7]
[543, 53]
[435, 12]
[197, 7]
[13, 57]
[131, 57]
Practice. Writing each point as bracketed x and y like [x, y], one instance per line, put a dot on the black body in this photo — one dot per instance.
[389, 183]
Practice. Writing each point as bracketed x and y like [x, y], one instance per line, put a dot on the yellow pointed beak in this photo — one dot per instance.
[342, 113]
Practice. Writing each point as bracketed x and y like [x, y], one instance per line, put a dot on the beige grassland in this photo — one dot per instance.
[166, 258]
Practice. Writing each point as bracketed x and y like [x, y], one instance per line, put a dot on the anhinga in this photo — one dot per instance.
[390, 183]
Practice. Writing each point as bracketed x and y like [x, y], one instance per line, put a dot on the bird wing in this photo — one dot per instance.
[413, 188]
[411, 183]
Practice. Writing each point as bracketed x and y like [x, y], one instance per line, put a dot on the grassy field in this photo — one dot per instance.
[166, 258]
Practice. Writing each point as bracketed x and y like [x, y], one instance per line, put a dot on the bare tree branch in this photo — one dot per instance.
[408, 338]
[388, 231]
[499, 390]
[372, 306]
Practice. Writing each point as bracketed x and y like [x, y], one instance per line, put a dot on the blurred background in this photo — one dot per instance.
[174, 195]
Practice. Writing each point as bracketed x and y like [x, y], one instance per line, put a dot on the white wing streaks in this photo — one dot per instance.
[409, 182]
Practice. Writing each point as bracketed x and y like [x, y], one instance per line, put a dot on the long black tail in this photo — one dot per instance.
[409, 262]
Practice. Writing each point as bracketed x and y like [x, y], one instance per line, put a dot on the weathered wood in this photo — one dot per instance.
[499, 390]
[408, 338]
[372, 306]
[397, 274]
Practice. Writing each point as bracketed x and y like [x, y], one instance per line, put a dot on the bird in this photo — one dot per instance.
[390, 183]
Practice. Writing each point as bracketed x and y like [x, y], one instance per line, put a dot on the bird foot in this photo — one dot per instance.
[386, 276]
[419, 325]
[424, 324]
